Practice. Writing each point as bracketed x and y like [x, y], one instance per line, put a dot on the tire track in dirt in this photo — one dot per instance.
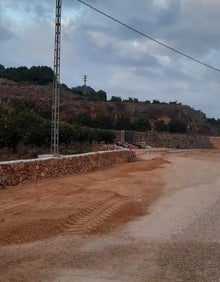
[93, 217]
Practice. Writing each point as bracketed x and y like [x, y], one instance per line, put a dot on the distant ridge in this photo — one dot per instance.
[118, 115]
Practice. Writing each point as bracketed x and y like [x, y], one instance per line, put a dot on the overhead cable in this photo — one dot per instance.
[149, 37]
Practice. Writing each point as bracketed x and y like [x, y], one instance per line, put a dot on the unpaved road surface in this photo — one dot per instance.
[153, 220]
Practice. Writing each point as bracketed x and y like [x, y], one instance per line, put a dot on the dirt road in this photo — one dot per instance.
[152, 220]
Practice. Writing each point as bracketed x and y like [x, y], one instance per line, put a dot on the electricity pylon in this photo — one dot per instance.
[85, 81]
[56, 83]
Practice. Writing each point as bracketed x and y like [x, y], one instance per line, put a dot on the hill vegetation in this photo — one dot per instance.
[41, 75]
[86, 116]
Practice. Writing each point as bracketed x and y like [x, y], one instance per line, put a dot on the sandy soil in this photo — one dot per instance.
[90, 203]
[156, 219]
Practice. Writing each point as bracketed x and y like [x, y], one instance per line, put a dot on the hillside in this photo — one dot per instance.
[71, 106]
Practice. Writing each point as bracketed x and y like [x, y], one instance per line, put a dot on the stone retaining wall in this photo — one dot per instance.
[15, 172]
[169, 140]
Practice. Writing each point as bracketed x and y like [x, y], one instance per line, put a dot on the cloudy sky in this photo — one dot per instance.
[117, 60]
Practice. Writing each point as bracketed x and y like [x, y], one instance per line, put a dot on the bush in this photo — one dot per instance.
[103, 121]
[123, 123]
[115, 99]
[68, 133]
[141, 124]
[177, 127]
[131, 100]
[156, 102]
[105, 136]
[161, 126]
[24, 126]
[83, 119]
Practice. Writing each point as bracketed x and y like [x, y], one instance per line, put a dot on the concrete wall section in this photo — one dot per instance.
[15, 172]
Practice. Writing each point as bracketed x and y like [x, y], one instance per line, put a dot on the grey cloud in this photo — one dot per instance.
[112, 52]
[42, 10]
[190, 26]
[5, 34]
[182, 26]
[168, 24]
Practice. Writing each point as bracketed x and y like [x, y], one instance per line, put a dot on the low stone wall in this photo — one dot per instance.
[15, 172]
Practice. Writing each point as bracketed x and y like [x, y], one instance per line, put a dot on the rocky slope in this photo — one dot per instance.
[70, 106]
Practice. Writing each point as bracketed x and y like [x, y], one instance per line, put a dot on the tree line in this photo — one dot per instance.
[22, 125]
[93, 96]
[213, 121]
[135, 100]
[41, 75]
[123, 122]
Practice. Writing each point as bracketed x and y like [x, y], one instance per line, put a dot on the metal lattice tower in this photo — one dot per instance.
[85, 79]
[56, 83]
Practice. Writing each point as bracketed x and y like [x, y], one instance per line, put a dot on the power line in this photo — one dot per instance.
[149, 37]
